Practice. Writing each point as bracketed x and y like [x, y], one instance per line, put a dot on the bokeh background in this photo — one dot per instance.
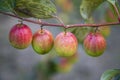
[21, 64]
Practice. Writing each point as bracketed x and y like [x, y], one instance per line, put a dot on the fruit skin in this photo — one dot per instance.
[105, 31]
[42, 41]
[73, 59]
[20, 36]
[65, 44]
[64, 65]
[94, 44]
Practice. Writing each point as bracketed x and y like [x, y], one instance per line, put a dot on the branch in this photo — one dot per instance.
[32, 21]
[60, 25]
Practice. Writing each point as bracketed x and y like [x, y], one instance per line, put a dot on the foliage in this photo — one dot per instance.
[113, 74]
[44, 9]
[87, 7]
[7, 5]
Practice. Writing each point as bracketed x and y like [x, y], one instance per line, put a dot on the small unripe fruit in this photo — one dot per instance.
[66, 44]
[42, 41]
[105, 31]
[64, 65]
[73, 59]
[20, 36]
[94, 44]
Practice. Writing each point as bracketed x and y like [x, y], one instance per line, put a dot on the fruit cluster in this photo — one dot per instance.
[52, 65]
[65, 43]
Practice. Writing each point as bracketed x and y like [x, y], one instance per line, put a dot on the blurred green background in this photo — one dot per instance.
[27, 65]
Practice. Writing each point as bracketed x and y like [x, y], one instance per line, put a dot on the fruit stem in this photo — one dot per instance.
[96, 29]
[65, 29]
[21, 21]
[41, 28]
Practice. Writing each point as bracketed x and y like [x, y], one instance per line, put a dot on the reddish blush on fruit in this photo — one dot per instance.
[20, 36]
[42, 41]
[94, 44]
[66, 44]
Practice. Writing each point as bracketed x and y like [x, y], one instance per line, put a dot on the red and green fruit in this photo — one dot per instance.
[73, 59]
[20, 36]
[66, 44]
[42, 41]
[94, 44]
[64, 65]
[105, 31]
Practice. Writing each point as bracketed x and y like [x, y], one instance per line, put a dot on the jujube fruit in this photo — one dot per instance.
[73, 59]
[66, 44]
[105, 31]
[42, 41]
[64, 65]
[94, 44]
[20, 36]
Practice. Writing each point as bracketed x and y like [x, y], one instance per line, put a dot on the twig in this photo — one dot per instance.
[60, 25]
[32, 21]
[93, 25]
[59, 20]
[117, 11]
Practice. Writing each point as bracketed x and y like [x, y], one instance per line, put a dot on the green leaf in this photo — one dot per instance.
[7, 5]
[111, 74]
[42, 9]
[111, 15]
[87, 7]
[112, 1]
[82, 32]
